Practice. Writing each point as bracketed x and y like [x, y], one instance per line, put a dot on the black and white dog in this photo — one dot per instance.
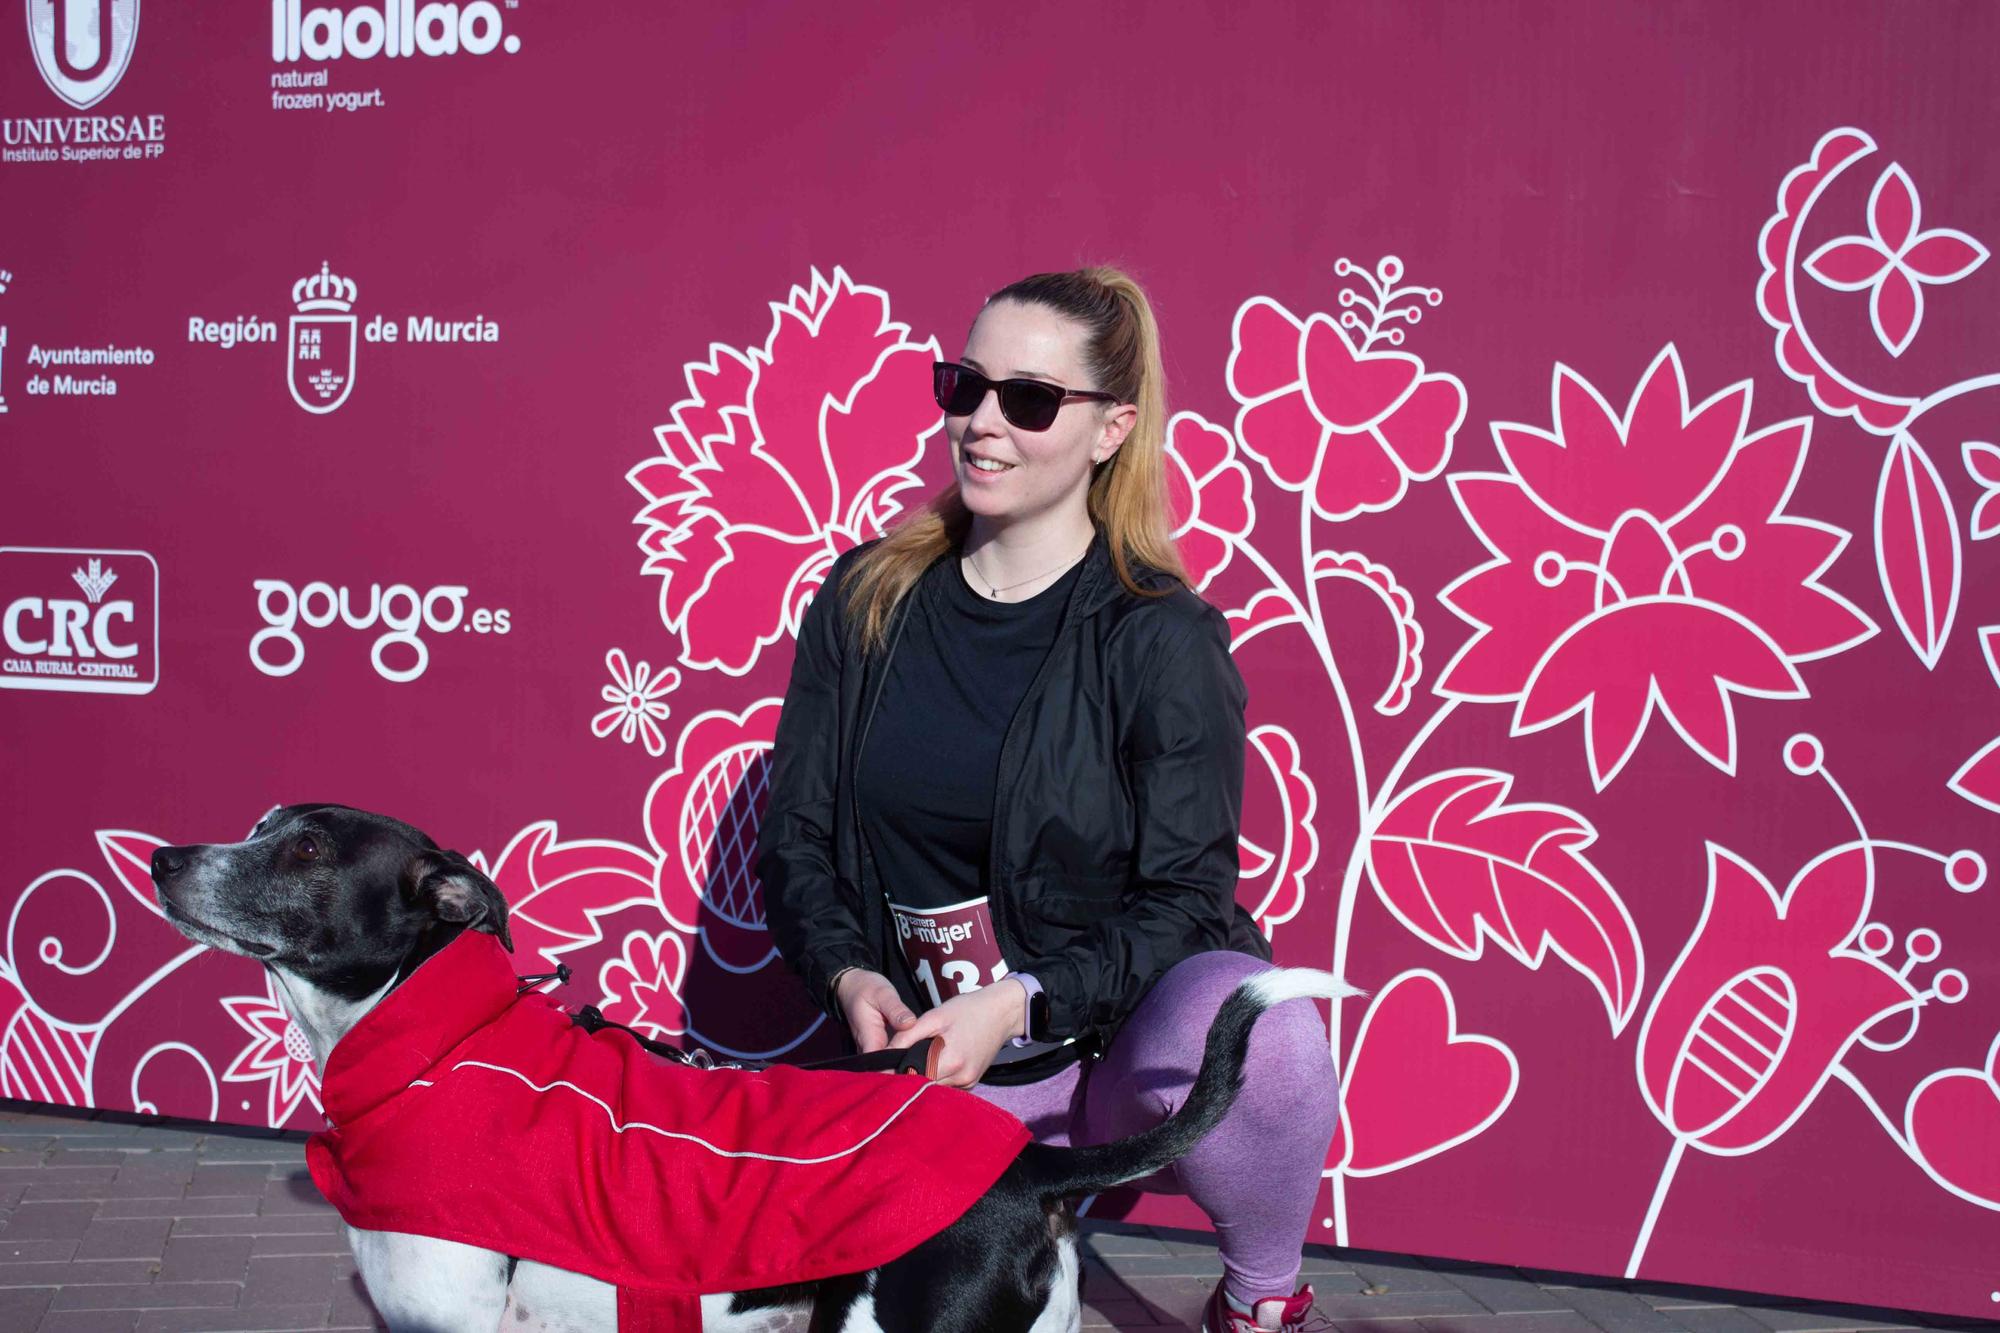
[341, 905]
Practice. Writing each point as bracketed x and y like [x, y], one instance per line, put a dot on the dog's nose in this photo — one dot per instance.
[168, 861]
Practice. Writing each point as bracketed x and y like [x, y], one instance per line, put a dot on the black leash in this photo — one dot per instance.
[911, 1060]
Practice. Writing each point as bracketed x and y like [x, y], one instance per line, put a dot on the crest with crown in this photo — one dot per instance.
[324, 291]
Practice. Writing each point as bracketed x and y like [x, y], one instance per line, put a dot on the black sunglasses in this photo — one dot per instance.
[1026, 404]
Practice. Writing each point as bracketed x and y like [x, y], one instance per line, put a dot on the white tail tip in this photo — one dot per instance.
[1298, 983]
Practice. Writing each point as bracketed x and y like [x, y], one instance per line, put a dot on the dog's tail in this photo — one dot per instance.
[1060, 1171]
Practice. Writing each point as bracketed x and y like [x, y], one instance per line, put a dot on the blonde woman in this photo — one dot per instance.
[1008, 778]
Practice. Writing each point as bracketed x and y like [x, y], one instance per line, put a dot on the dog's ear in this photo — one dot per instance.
[453, 889]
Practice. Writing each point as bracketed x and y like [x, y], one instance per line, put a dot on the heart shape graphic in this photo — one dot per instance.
[1430, 1088]
[1954, 1124]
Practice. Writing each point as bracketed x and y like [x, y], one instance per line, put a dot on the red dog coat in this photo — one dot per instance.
[460, 1109]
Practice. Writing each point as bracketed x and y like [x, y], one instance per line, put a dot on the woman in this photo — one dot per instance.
[1008, 777]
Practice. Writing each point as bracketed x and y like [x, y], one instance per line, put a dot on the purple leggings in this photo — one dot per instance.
[1257, 1176]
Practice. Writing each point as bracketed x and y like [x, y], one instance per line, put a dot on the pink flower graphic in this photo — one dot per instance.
[555, 890]
[702, 817]
[1352, 428]
[1210, 492]
[1895, 260]
[636, 703]
[1766, 997]
[278, 1054]
[778, 460]
[1278, 844]
[1644, 562]
[642, 989]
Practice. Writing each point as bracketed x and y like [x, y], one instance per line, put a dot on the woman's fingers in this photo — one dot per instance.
[928, 1025]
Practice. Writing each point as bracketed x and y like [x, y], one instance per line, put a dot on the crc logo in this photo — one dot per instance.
[82, 46]
[320, 367]
[83, 621]
[404, 613]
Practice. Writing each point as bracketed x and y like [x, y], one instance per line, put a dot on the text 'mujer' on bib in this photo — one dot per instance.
[950, 950]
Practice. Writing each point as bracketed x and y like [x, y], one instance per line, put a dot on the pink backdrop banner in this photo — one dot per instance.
[1587, 416]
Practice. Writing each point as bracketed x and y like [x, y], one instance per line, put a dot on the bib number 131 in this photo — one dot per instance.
[961, 974]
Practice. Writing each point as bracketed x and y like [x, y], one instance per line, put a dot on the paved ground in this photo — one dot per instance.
[118, 1224]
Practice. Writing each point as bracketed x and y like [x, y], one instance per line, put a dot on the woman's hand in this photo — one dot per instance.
[970, 1030]
[872, 1006]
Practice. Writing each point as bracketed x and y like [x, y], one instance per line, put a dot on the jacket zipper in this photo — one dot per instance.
[1002, 928]
[870, 908]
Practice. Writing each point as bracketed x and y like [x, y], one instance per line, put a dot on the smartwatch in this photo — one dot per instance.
[1038, 1010]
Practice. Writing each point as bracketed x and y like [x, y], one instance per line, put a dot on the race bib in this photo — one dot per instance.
[950, 950]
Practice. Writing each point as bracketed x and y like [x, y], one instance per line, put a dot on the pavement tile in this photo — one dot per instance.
[351, 1306]
[1545, 1321]
[1402, 1275]
[35, 1251]
[1716, 1319]
[88, 1321]
[23, 1307]
[1503, 1293]
[148, 1296]
[330, 1242]
[1100, 1281]
[1620, 1311]
[1185, 1264]
[47, 1221]
[228, 1180]
[1109, 1238]
[1171, 1300]
[293, 1193]
[205, 1258]
[96, 1271]
[275, 1224]
[13, 1139]
[289, 1279]
[152, 1177]
[1344, 1306]
[264, 1319]
[90, 1156]
[55, 1191]
[124, 1238]
[215, 1205]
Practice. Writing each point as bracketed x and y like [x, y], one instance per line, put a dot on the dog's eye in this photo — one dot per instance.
[306, 848]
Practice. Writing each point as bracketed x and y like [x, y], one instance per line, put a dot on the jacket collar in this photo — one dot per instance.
[462, 988]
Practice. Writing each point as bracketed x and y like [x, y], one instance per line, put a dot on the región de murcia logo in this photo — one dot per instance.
[324, 334]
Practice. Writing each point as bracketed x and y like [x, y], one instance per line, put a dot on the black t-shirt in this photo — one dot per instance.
[928, 770]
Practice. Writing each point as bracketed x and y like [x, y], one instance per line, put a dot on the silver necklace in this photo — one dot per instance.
[994, 590]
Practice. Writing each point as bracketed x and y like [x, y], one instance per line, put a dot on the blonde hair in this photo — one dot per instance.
[1128, 498]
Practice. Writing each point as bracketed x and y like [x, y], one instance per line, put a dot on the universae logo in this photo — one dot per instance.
[82, 46]
[79, 620]
[393, 28]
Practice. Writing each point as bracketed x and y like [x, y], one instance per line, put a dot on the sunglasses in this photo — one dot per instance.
[1026, 404]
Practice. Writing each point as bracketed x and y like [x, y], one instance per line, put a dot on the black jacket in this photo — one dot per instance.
[1115, 816]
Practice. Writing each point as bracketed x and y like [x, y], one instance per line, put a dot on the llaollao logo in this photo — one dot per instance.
[82, 46]
[393, 28]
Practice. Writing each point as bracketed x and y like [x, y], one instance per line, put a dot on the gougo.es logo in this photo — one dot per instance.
[404, 614]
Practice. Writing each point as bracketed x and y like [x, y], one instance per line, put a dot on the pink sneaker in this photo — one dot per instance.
[1276, 1315]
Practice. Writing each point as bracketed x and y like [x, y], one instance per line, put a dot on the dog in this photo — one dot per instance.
[341, 907]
